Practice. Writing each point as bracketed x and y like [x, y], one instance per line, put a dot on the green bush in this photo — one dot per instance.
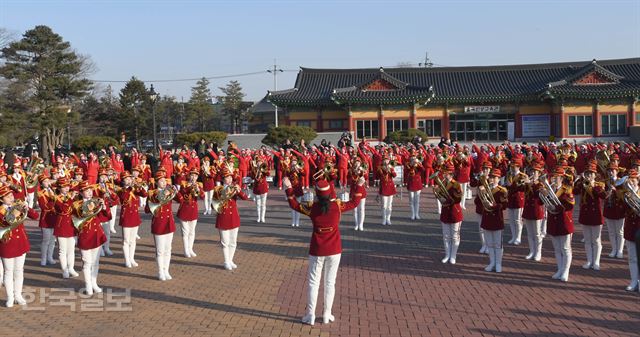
[94, 143]
[278, 136]
[193, 138]
[405, 136]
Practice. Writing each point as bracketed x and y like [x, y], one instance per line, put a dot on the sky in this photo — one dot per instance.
[173, 40]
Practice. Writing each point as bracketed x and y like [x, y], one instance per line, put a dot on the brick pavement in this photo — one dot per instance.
[390, 283]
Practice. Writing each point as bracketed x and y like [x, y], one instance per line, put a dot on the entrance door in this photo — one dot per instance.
[464, 131]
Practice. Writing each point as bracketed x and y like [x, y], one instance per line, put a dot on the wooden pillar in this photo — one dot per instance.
[632, 113]
[445, 121]
[382, 132]
[413, 124]
[319, 122]
[350, 127]
[287, 121]
[560, 125]
[518, 121]
[596, 120]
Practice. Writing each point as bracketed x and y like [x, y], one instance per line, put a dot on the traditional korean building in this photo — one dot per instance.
[485, 103]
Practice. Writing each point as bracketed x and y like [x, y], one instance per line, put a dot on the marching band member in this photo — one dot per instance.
[17, 182]
[208, 183]
[228, 220]
[463, 174]
[631, 233]
[451, 212]
[162, 223]
[560, 223]
[259, 173]
[387, 190]
[107, 191]
[515, 187]
[413, 175]
[188, 197]
[475, 181]
[493, 218]
[590, 218]
[295, 174]
[534, 212]
[64, 230]
[90, 235]
[46, 202]
[359, 170]
[614, 214]
[129, 216]
[326, 247]
[14, 244]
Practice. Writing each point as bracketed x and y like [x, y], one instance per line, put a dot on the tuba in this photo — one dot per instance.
[88, 209]
[440, 190]
[485, 194]
[15, 216]
[164, 197]
[33, 171]
[226, 193]
[548, 196]
[630, 198]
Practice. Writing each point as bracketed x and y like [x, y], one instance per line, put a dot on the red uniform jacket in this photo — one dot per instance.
[413, 177]
[452, 212]
[162, 221]
[591, 203]
[260, 186]
[90, 234]
[130, 200]
[15, 242]
[493, 220]
[208, 178]
[615, 206]
[562, 223]
[64, 223]
[20, 190]
[46, 201]
[515, 192]
[228, 218]
[533, 205]
[387, 186]
[325, 240]
[188, 209]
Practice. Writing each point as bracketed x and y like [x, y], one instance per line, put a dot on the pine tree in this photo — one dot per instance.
[134, 110]
[200, 108]
[233, 106]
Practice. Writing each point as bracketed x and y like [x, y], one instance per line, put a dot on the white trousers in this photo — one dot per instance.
[112, 222]
[106, 247]
[481, 232]
[463, 201]
[633, 262]
[229, 242]
[90, 267]
[47, 247]
[66, 252]
[207, 201]
[515, 224]
[414, 202]
[451, 239]
[387, 206]
[493, 239]
[30, 199]
[358, 214]
[616, 235]
[330, 265]
[261, 206]
[439, 206]
[494, 248]
[129, 243]
[14, 276]
[534, 236]
[295, 216]
[562, 250]
[163, 252]
[592, 244]
[188, 235]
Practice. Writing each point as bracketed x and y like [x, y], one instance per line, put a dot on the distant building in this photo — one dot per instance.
[484, 103]
[263, 115]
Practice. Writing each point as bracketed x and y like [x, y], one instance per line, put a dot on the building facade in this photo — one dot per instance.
[484, 103]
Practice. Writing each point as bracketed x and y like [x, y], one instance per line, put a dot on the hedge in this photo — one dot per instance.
[278, 136]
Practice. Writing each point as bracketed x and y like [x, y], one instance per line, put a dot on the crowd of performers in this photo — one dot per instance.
[539, 186]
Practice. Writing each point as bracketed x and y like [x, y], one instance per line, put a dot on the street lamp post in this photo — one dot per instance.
[154, 96]
[68, 129]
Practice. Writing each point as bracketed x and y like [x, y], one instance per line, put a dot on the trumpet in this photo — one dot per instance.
[195, 190]
[164, 197]
[87, 209]
[15, 216]
[325, 172]
[549, 197]
[225, 194]
[485, 194]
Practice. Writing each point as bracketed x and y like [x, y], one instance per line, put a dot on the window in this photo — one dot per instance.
[432, 127]
[614, 124]
[580, 125]
[368, 129]
[336, 124]
[303, 123]
[397, 125]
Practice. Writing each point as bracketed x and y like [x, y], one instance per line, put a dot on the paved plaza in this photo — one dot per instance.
[391, 283]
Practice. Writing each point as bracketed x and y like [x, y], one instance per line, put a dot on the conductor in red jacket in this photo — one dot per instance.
[326, 247]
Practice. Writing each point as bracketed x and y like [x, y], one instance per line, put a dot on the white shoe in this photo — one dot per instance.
[556, 276]
[52, 261]
[564, 278]
[113, 231]
[168, 276]
[9, 303]
[483, 250]
[417, 217]
[327, 318]
[193, 254]
[530, 256]
[297, 225]
[512, 241]
[293, 225]
[228, 266]
[134, 263]
[612, 254]
[489, 268]
[446, 259]
[356, 228]
[233, 265]
[619, 255]
[596, 267]
[128, 265]
[65, 274]
[413, 217]
[162, 277]
[452, 260]
[187, 254]
[88, 291]
[43, 263]
[137, 237]
[109, 252]
[101, 253]
[97, 289]
[20, 300]
[586, 265]
[517, 243]
[633, 286]
[73, 273]
[309, 319]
